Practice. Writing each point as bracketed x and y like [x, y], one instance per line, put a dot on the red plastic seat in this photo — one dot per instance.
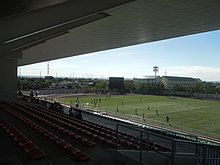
[65, 131]
[77, 154]
[81, 156]
[18, 138]
[47, 134]
[65, 145]
[30, 147]
[72, 150]
[58, 141]
[53, 137]
[24, 142]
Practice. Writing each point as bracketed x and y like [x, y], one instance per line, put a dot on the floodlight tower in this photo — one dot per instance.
[155, 69]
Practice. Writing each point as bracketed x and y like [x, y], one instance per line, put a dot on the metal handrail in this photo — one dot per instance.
[198, 145]
[175, 129]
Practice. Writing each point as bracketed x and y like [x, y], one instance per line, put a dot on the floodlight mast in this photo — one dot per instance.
[155, 69]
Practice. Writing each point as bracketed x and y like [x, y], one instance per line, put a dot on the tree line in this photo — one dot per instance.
[101, 86]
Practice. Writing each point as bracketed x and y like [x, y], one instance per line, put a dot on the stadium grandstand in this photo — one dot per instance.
[40, 30]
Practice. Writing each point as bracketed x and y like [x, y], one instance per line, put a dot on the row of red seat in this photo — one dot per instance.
[67, 132]
[71, 151]
[76, 127]
[28, 146]
[103, 133]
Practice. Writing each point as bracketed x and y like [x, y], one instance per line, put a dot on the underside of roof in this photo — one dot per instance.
[71, 28]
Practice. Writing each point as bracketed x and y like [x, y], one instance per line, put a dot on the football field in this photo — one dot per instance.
[199, 116]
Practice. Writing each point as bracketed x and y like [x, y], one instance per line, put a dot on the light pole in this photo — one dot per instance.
[155, 69]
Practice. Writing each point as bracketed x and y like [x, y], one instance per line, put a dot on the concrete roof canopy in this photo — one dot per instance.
[46, 31]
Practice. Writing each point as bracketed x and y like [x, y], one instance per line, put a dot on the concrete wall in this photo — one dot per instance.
[8, 81]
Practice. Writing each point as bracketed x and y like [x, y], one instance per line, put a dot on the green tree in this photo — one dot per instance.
[101, 87]
[130, 87]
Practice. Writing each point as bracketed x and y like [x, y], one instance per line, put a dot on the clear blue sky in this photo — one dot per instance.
[195, 56]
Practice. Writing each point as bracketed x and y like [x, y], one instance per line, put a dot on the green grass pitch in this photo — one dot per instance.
[184, 113]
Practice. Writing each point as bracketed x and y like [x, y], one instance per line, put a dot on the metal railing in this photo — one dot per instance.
[173, 129]
[206, 154]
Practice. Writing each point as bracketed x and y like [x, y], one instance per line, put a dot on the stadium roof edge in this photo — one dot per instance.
[128, 22]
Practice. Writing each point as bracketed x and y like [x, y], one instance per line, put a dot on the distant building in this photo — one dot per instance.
[147, 80]
[170, 81]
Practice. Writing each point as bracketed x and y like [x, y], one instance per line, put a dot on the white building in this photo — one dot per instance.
[170, 81]
[147, 80]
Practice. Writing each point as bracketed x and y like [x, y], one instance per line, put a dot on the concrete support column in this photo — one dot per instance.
[8, 81]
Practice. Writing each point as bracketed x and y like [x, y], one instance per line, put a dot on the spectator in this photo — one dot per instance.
[168, 119]
[77, 102]
[32, 94]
